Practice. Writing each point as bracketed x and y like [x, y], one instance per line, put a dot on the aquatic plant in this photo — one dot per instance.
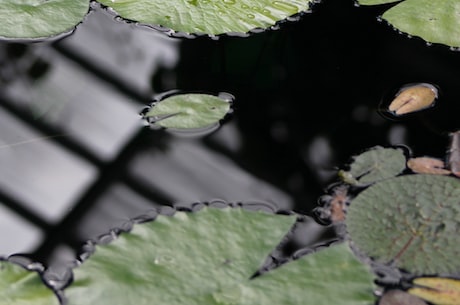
[393, 220]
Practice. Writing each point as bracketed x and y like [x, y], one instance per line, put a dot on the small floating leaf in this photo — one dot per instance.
[437, 290]
[411, 221]
[433, 21]
[19, 286]
[188, 111]
[208, 257]
[208, 17]
[376, 164]
[413, 98]
[40, 19]
[427, 165]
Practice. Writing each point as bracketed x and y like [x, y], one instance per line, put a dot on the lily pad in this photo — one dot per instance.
[188, 111]
[27, 19]
[411, 221]
[19, 286]
[374, 165]
[208, 17]
[433, 21]
[208, 257]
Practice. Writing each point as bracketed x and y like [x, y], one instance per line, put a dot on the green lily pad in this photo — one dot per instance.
[188, 111]
[374, 165]
[19, 286]
[27, 19]
[206, 16]
[411, 221]
[433, 21]
[208, 257]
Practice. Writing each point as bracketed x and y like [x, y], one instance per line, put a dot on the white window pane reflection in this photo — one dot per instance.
[39, 173]
[16, 234]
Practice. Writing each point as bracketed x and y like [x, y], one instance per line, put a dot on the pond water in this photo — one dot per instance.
[77, 159]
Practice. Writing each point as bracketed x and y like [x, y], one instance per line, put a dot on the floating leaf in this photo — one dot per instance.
[188, 111]
[374, 165]
[208, 257]
[40, 19]
[411, 221]
[413, 97]
[437, 290]
[433, 21]
[19, 286]
[208, 17]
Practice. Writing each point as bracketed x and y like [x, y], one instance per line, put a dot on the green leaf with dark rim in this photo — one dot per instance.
[208, 17]
[208, 257]
[19, 286]
[38, 19]
[433, 21]
[188, 111]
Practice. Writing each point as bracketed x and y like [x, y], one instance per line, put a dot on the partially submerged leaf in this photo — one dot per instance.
[209, 17]
[437, 290]
[19, 286]
[208, 257]
[411, 221]
[376, 164]
[427, 165]
[188, 111]
[412, 98]
[27, 19]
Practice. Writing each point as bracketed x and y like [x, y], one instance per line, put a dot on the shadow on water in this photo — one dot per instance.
[307, 98]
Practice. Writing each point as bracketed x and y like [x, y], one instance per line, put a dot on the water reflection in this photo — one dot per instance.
[308, 99]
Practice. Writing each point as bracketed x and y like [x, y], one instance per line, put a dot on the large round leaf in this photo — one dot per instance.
[188, 111]
[206, 16]
[412, 221]
[19, 286]
[23, 19]
[434, 21]
[208, 257]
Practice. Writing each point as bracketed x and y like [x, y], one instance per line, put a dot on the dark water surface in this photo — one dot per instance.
[76, 159]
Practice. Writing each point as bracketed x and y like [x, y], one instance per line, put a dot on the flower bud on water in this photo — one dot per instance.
[413, 98]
